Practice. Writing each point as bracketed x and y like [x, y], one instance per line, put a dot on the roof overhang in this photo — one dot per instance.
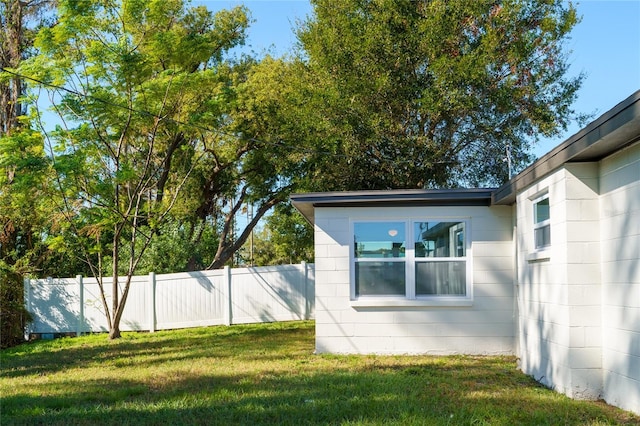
[306, 203]
[612, 131]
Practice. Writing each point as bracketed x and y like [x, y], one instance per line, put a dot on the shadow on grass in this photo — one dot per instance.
[414, 394]
[149, 349]
[260, 383]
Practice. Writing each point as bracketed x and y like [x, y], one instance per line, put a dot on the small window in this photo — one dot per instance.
[541, 222]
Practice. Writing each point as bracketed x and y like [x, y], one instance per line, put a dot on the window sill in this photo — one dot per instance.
[407, 303]
[539, 256]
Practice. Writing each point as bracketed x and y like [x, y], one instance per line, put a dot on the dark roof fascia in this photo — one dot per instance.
[306, 203]
[612, 131]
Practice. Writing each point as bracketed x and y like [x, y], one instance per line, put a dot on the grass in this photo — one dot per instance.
[267, 374]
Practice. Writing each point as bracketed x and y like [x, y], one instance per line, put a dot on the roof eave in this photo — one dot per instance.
[306, 203]
[612, 131]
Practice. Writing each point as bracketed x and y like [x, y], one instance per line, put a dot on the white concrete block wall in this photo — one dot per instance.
[620, 249]
[485, 327]
[559, 287]
[543, 309]
[582, 208]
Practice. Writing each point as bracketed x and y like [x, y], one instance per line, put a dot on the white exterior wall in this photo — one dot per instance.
[542, 297]
[559, 296]
[620, 248]
[485, 327]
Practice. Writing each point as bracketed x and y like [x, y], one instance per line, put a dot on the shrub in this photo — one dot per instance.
[13, 316]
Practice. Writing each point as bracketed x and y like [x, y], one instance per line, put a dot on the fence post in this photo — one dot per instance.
[27, 305]
[80, 325]
[152, 302]
[305, 277]
[226, 295]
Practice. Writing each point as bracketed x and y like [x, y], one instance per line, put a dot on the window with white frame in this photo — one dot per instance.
[541, 222]
[412, 259]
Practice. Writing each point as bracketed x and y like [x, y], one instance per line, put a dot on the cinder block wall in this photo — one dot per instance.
[484, 327]
[559, 297]
[582, 207]
[543, 309]
[620, 248]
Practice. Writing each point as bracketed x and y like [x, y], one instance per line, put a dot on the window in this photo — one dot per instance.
[380, 258]
[439, 246]
[541, 222]
[414, 259]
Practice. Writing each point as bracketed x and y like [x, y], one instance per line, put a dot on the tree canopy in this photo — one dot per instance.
[166, 136]
[140, 88]
[435, 93]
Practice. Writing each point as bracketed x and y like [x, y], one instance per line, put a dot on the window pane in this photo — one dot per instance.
[379, 239]
[543, 236]
[441, 278]
[380, 278]
[439, 239]
[541, 211]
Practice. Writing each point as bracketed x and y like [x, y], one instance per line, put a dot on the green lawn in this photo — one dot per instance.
[268, 374]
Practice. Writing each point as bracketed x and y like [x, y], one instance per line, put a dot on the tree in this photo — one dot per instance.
[138, 86]
[19, 21]
[180, 245]
[286, 238]
[436, 93]
[282, 148]
[23, 166]
[13, 315]
[21, 153]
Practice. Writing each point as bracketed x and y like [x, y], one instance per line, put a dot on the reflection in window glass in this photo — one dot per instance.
[415, 259]
[439, 239]
[380, 279]
[542, 236]
[379, 239]
[441, 278]
[541, 211]
[542, 223]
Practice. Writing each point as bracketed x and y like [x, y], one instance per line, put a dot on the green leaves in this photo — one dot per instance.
[286, 239]
[142, 83]
[426, 89]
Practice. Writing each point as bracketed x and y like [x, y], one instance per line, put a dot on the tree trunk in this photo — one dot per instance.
[114, 333]
[10, 55]
[13, 45]
[226, 247]
[11, 50]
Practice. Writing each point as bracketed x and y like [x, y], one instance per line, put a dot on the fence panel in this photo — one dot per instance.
[94, 314]
[190, 299]
[268, 294]
[54, 305]
[169, 301]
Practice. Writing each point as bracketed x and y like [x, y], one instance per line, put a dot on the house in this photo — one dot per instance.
[546, 267]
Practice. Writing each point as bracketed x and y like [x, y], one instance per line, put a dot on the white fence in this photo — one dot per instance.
[170, 301]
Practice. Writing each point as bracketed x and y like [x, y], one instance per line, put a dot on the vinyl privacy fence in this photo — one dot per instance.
[170, 301]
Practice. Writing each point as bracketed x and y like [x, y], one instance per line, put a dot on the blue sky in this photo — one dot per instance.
[605, 46]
